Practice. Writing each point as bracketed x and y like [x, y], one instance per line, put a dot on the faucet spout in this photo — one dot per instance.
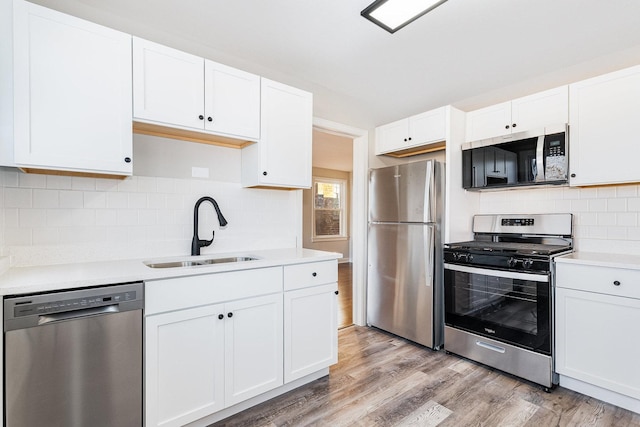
[196, 243]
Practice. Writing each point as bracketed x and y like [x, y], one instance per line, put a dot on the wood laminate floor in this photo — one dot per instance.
[383, 380]
[345, 295]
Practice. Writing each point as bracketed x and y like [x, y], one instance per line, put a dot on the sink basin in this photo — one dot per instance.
[198, 262]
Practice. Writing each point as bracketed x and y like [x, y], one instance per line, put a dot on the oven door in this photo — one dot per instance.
[509, 306]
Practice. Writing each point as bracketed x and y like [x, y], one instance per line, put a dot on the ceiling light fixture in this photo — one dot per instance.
[395, 14]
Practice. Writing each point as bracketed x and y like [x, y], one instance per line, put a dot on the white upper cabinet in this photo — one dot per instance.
[534, 111]
[282, 157]
[604, 131]
[67, 83]
[416, 131]
[176, 89]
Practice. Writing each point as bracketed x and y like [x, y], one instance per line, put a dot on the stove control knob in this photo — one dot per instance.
[527, 263]
[469, 258]
[511, 262]
[457, 256]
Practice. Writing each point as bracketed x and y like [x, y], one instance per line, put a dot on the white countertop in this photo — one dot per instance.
[21, 280]
[631, 262]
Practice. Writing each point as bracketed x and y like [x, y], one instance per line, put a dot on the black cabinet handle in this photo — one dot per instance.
[573, 175]
[314, 274]
[405, 140]
[220, 316]
[616, 283]
[409, 138]
[201, 117]
[230, 314]
[514, 125]
[209, 119]
[336, 292]
[264, 173]
[506, 127]
[127, 159]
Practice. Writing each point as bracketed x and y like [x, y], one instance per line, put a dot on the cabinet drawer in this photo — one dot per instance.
[194, 291]
[599, 279]
[311, 274]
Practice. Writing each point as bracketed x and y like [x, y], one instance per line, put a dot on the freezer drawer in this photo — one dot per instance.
[400, 290]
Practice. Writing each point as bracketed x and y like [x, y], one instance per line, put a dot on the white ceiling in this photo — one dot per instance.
[468, 53]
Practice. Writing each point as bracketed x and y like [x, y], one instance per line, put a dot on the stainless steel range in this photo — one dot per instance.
[498, 294]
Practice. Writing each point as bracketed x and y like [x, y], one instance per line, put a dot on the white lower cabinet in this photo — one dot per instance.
[310, 330]
[184, 365]
[204, 359]
[215, 340]
[596, 330]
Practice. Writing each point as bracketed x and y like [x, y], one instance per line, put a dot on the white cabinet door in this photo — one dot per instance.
[392, 136]
[541, 109]
[415, 131]
[550, 107]
[184, 365]
[253, 347]
[232, 101]
[311, 330]
[168, 85]
[72, 91]
[596, 339]
[282, 157]
[427, 127]
[489, 122]
[604, 113]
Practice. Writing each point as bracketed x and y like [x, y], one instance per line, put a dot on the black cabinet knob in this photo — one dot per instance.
[220, 316]
[264, 173]
[201, 117]
[336, 292]
[573, 175]
[409, 138]
[230, 314]
[209, 119]
[506, 127]
[314, 274]
[127, 159]
[616, 282]
[514, 125]
[405, 140]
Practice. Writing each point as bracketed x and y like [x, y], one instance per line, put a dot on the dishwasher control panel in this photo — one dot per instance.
[28, 308]
[37, 309]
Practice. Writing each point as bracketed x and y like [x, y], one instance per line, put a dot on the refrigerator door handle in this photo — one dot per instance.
[429, 194]
[429, 255]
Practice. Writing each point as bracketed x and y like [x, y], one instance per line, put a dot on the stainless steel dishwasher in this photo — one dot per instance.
[74, 358]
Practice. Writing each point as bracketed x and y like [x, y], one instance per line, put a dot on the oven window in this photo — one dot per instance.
[512, 310]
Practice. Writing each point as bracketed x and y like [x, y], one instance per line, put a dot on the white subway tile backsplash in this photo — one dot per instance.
[31, 217]
[83, 184]
[71, 199]
[580, 205]
[45, 198]
[26, 180]
[633, 204]
[617, 205]
[117, 200]
[59, 182]
[627, 191]
[54, 219]
[94, 199]
[628, 219]
[597, 205]
[605, 219]
[17, 198]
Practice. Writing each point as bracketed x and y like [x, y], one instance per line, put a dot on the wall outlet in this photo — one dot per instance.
[197, 172]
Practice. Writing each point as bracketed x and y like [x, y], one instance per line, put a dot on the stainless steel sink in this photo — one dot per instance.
[198, 262]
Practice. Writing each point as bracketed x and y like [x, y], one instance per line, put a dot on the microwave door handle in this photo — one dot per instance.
[539, 160]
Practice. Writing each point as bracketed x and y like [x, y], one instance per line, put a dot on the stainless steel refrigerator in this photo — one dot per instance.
[404, 283]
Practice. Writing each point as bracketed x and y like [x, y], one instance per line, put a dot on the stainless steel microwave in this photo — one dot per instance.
[520, 159]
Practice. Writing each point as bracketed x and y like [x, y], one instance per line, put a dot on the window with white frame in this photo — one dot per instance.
[329, 209]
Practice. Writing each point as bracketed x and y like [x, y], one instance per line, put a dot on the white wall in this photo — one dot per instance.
[52, 219]
[606, 219]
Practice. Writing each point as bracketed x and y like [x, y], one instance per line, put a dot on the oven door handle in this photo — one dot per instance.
[498, 273]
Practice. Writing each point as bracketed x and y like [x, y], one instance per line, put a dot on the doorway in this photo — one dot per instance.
[327, 211]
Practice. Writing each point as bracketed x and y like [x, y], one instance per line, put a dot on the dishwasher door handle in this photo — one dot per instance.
[77, 314]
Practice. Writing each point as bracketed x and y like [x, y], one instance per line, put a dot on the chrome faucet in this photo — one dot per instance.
[196, 243]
